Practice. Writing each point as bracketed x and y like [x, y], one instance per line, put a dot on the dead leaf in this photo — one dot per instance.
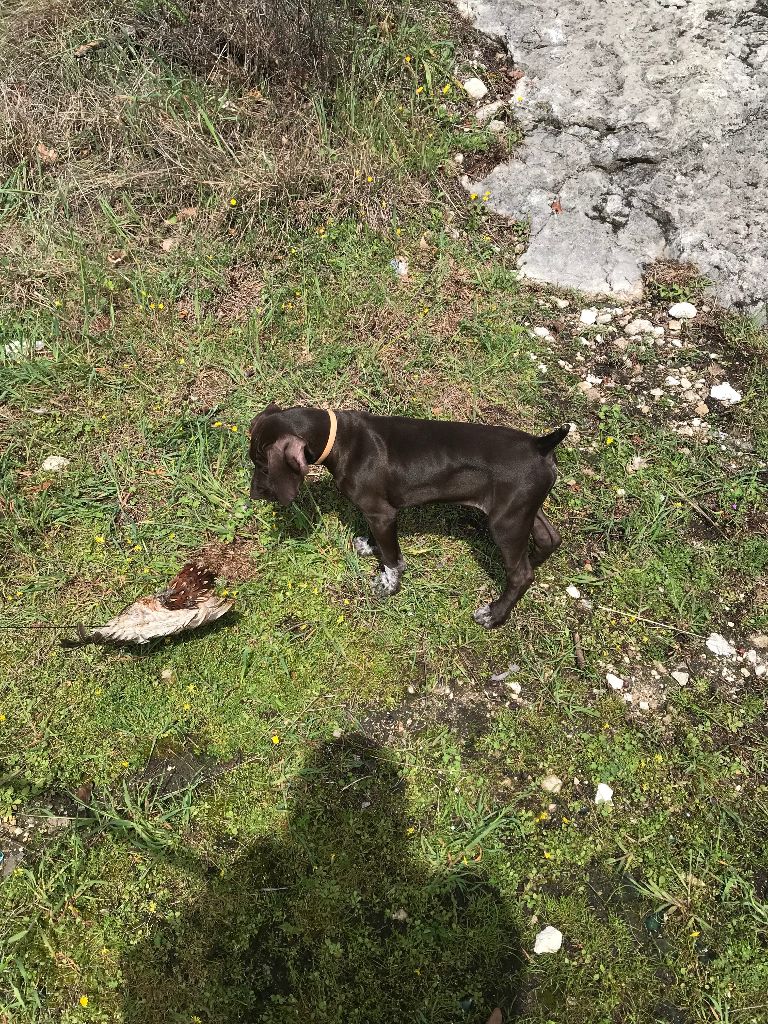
[186, 213]
[168, 244]
[116, 257]
[555, 206]
[47, 155]
[188, 602]
[86, 48]
[423, 243]
[84, 793]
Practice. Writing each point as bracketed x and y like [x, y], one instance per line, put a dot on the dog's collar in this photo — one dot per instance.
[331, 438]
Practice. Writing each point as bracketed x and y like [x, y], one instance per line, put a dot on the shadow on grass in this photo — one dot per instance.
[440, 520]
[337, 920]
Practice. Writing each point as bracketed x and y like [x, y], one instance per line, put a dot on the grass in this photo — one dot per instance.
[324, 808]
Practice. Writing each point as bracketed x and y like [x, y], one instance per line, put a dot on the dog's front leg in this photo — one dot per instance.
[385, 545]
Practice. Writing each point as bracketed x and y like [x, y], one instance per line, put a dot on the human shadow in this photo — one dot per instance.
[337, 920]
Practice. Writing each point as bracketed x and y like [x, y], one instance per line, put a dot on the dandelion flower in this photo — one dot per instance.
[473, 195]
[275, 739]
[407, 58]
[369, 179]
[420, 90]
[233, 202]
[83, 1000]
[99, 539]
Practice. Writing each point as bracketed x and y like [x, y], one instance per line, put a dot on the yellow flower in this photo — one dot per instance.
[233, 202]
[2, 718]
[609, 440]
[473, 195]
[161, 305]
[420, 90]
[151, 906]
[233, 429]
[486, 195]
[410, 830]
[547, 855]
[276, 739]
[446, 89]
[123, 764]
[99, 539]
[83, 1000]
[369, 179]
[217, 423]
[182, 361]
[137, 547]
[695, 935]
[407, 58]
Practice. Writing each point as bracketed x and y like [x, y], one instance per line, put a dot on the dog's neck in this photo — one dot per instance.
[316, 435]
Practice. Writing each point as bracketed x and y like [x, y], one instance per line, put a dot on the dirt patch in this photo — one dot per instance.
[232, 561]
[209, 390]
[466, 707]
[241, 296]
[23, 834]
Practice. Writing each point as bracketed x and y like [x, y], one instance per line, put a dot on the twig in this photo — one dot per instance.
[649, 622]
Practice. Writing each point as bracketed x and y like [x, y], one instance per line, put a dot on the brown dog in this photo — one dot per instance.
[385, 463]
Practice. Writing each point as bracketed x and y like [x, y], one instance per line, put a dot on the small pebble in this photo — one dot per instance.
[475, 88]
[549, 940]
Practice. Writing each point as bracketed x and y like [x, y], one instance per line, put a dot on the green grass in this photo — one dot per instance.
[255, 831]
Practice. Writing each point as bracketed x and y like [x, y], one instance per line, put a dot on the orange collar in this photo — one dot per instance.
[331, 438]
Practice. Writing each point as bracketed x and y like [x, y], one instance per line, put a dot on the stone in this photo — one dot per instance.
[486, 112]
[725, 393]
[561, 303]
[551, 784]
[573, 592]
[541, 332]
[720, 646]
[651, 133]
[682, 311]
[637, 327]
[54, 464]
[496, 126]
[680, 677]
[475, 88]
[549, 940]
[603, 794]
[588, 316]
[615, 682]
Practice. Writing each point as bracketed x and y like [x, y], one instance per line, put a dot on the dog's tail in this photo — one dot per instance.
[549, 442]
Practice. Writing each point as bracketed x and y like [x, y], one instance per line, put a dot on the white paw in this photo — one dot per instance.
[387, 582]
[362, 546]
[483, 616]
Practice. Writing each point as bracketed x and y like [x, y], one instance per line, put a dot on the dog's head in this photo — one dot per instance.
[278, 456]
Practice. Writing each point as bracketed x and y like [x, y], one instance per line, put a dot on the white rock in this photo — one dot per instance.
[656, 392]
[725, 393]
[516, 688]
[680, 677]
[573, 592]
[551, 784]
[541, 332]
[720, 646]
[475, 88]
[400, 915]
[459, 158]
[604, 318]
[643, 705]
[759, 640]
[54, 464]
[615, 682]
[637, 327]
[562, 303]
[487, 111]
[636, 463]
[588, 316]
[400, 267]
[496, 126]
[549, 940]
[603, 794]
[682, 311]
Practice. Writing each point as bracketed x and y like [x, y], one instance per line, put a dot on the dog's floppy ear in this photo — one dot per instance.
[286, 467]
[272, 407]
[496, 1017]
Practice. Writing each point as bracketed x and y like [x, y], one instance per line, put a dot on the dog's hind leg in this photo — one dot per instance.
[511, 535]
[546, 539]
